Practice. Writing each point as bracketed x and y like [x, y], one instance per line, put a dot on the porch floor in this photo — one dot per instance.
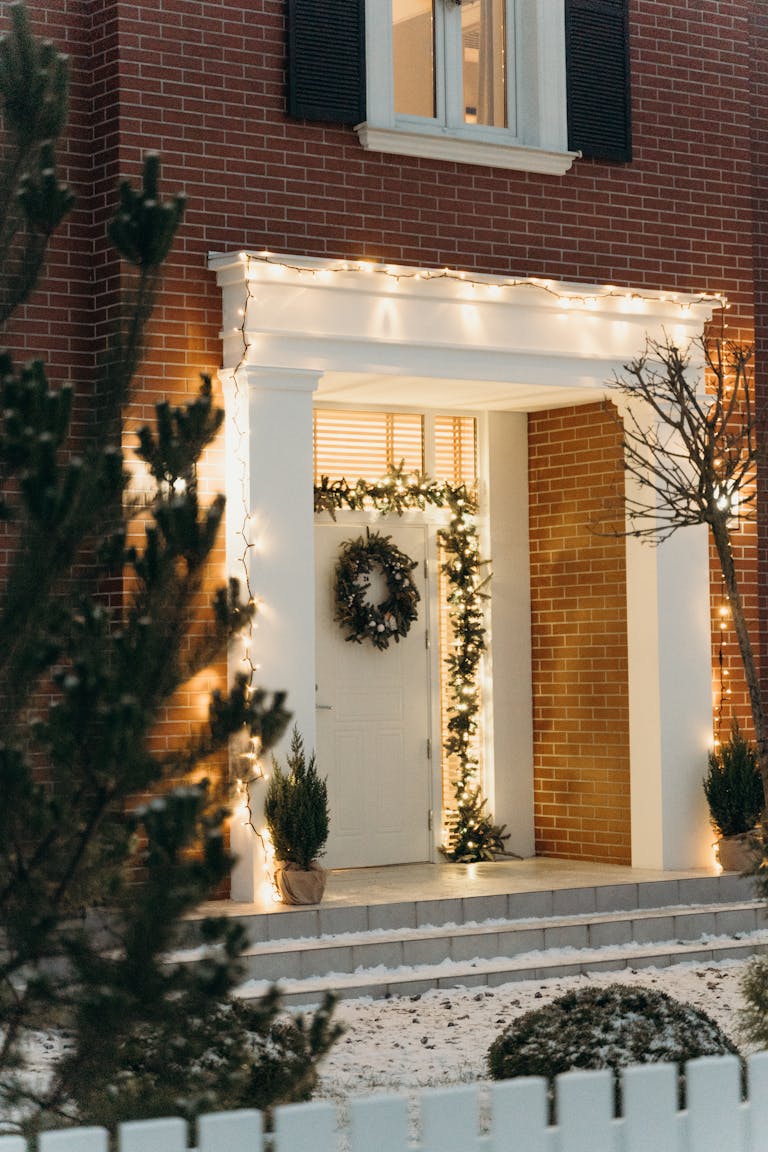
[408, 882]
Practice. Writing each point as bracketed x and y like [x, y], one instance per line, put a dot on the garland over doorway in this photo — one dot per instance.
[472, 835]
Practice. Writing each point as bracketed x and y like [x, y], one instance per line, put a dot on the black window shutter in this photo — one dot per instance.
[597, 63]
[326, 60]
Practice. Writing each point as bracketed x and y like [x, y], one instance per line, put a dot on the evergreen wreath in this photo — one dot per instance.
[390, 619]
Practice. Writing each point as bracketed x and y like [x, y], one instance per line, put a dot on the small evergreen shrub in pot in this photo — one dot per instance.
[609, 1027]
[296, 811]
[734, 791]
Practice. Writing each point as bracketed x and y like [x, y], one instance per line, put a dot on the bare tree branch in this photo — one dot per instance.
[692, 448]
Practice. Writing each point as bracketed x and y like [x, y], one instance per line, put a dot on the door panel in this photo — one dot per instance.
[373, 721]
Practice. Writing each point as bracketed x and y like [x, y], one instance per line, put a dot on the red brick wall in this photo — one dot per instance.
[204, 84]
[579, 637]
[759, 189]
[57, 322]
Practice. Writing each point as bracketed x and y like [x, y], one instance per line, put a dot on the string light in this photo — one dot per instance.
[568, 297]
[724, 687]
[250, 768]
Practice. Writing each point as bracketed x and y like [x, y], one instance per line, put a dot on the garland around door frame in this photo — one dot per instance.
[472, 835]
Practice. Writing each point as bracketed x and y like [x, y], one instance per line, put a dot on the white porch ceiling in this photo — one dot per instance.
[422, 392]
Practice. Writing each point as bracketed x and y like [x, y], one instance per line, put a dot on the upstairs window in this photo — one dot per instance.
[481, 81]
[520, 84]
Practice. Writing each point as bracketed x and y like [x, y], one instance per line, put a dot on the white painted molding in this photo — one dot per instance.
[512, 333]
[440, 144]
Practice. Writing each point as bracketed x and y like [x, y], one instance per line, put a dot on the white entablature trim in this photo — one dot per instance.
[343, 316]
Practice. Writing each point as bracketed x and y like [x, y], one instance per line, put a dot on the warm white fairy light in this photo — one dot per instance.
[250, 767]
[567, 296]
[724, 691]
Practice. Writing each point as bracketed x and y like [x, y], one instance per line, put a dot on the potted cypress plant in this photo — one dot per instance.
[296, 810]
[734, 791]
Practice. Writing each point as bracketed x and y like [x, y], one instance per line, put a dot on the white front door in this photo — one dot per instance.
[373, 720]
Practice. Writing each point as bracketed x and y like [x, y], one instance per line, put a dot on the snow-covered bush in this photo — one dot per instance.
[235, 1055]
[608, 1027]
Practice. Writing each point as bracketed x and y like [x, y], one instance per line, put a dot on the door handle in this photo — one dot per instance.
[323, 707]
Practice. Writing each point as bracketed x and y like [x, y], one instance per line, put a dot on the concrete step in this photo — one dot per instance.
[329, 918]
[347, 952]
[407, 958]
[382, 982]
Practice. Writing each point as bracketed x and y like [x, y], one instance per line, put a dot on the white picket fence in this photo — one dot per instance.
[505, 1117]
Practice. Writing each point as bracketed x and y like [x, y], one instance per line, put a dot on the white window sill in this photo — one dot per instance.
[440, 145]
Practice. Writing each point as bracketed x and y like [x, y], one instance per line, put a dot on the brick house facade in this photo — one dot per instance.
[588, 755]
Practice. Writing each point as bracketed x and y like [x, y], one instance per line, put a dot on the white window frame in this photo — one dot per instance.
[536, 140]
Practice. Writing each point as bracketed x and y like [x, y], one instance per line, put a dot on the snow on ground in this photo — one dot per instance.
[442, 1036]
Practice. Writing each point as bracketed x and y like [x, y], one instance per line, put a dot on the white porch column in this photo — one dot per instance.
[670, 697]
[510, 611]
[270, 506]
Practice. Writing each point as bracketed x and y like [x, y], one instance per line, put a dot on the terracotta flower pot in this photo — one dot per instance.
[738, 853]
[297, 886]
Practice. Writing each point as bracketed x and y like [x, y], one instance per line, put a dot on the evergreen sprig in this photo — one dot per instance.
[34, 81]
[733, 785]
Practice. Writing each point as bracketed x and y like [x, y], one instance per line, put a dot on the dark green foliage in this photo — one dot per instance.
[733, 786]
[33, 202]
[237, 1054]
[296, 807]
[609, 1027]
[472, 832]
[143, 228]
[392, 618]
[92, 882]
[753, 1018]
[181, 435]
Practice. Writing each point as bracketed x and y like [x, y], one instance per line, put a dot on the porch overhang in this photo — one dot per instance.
[476, 341]
[355, 332]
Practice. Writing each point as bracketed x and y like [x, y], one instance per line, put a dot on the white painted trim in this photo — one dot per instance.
[270, 484]
[509, 653]
[438, 144]
[551, 102]
[379, 71]
[348, 316]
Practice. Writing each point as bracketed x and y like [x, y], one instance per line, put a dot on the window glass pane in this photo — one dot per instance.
[483, 52]
[456, 449]
[413, 48]
[363, 445]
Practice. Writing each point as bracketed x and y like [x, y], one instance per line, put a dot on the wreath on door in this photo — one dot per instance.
[392, 618]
